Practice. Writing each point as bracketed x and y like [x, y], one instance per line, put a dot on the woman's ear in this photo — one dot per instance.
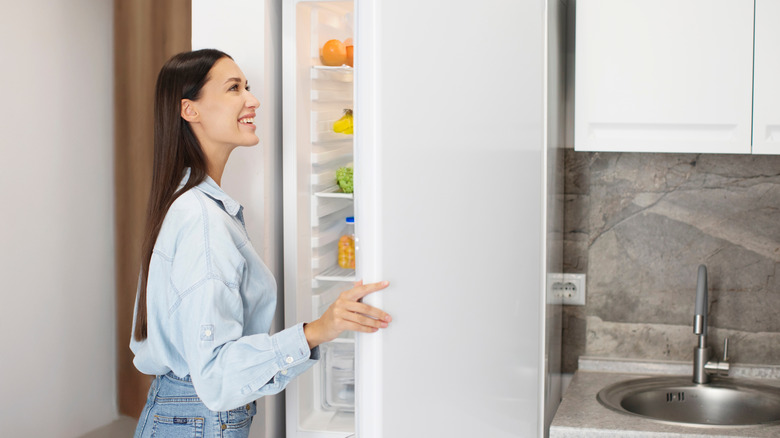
[188, 111]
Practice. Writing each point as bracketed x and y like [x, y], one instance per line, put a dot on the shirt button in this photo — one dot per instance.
[248, 407]
[207, 333]
[284, 372]
[224, 426]
[289, 359]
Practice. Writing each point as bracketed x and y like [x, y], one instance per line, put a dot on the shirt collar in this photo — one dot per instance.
[214, 191]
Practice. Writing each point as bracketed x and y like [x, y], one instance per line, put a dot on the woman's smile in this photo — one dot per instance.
[248, 120]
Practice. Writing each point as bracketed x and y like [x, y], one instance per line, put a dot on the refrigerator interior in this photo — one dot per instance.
[320, 402]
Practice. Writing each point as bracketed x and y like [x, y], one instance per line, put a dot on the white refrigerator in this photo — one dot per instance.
[458, 118]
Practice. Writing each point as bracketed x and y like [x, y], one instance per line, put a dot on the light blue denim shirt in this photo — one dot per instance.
[210, 302]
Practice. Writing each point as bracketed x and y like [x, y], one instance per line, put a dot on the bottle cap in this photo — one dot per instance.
[350, 219]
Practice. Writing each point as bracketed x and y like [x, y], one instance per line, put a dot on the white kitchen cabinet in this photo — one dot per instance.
[665, 75]
[766, 98]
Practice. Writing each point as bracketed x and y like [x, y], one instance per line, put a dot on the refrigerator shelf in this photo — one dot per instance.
[322, 207]
[334, 422]
[337, 273]
[334, 192]
[324, 260]
[329, 230]
[331, 96]
[343, 69]
[323, 177]
[323, 154]
[329, 84]
[337, 139]
[330, 138]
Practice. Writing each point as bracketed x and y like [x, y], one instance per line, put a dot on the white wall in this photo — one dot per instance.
[57, 329]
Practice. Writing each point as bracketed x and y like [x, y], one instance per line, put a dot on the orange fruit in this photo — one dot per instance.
[350, 56]
[333, 53]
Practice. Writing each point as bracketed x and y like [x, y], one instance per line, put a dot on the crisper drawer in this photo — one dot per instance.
[339, 376]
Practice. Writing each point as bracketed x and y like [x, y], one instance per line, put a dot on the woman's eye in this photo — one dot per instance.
[233, 88]
[247, 88]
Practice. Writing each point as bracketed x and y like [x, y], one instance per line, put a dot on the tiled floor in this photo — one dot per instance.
[123, 427]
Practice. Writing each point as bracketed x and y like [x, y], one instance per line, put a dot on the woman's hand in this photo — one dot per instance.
[347, 313]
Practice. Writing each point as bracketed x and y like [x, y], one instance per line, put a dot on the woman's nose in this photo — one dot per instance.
[252, 101]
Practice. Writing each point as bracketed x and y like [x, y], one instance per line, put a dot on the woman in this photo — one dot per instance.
[205, 299]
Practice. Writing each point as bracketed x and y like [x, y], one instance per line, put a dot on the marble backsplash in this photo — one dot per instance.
[639, 225]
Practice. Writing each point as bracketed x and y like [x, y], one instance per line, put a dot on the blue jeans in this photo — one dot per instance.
[173, 410]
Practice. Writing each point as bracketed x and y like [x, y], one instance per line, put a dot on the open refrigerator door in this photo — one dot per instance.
[318, 152]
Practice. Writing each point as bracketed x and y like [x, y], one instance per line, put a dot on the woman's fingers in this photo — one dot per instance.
[355, 327]
[361, 313]
[360, 290]
[363, 321]
[350, 301]
[372, 312]
[348, 313]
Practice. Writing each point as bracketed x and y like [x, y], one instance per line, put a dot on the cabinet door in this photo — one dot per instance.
[766, 90]
[664, 75]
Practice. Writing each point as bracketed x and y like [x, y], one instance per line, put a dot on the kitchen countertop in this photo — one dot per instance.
[580, 415]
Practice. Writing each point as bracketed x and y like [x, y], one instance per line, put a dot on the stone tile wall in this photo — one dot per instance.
[640, 224]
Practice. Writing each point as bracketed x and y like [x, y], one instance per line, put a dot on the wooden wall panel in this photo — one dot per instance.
[146, 34]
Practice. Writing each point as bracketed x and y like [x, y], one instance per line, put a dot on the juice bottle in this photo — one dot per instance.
[347, 246]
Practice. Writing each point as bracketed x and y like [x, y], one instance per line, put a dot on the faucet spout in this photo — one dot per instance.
[700, 312]
[702, 366]
[701, 354]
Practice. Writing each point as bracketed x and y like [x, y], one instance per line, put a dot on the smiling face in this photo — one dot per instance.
[224, 114]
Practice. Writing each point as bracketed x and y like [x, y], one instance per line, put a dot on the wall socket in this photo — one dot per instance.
[567, 289]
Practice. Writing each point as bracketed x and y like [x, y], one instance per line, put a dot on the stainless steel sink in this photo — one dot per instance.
[676, 399]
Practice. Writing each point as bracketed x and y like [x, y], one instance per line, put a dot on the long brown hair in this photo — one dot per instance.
[175, 149]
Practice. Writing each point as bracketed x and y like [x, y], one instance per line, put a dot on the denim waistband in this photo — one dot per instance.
[186, 378]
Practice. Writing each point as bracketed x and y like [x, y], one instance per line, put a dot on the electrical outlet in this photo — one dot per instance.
[568, 289]
[553, 279]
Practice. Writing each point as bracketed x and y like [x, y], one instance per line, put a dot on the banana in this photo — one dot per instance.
[344, 124]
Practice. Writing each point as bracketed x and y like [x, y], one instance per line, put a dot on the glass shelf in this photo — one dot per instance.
[337, 273]
[333, 193]
[338, 68]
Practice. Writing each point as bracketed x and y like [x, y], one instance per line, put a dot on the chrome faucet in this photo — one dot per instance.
[702, 365]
